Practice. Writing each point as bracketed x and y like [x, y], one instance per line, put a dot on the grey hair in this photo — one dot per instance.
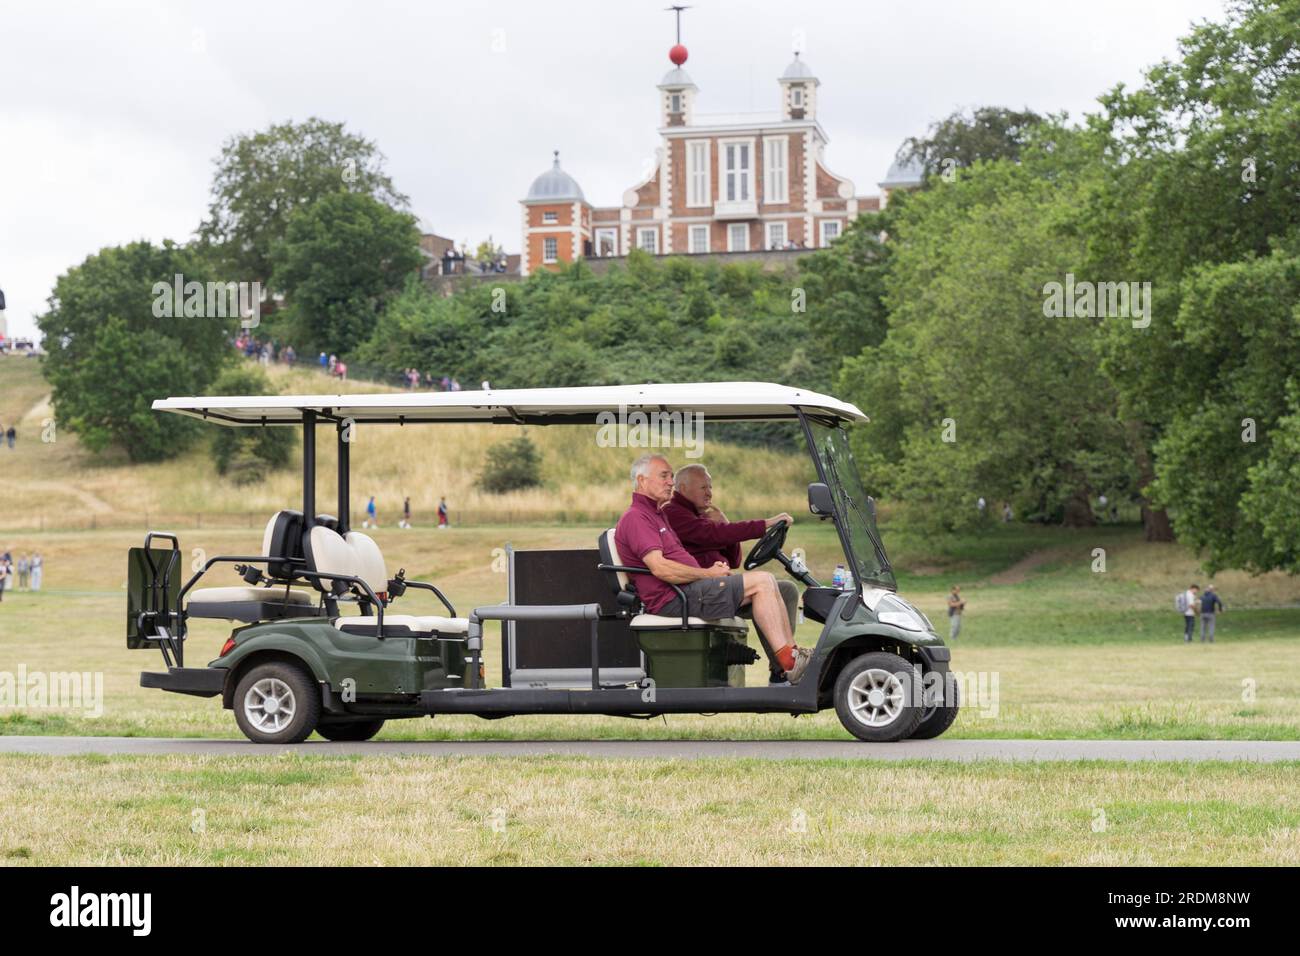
[686, 469]
[641, 466]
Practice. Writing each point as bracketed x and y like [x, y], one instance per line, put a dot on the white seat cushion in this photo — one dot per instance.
[326, 551]
[230, 595]
[368, 562]
[420, 624]
[659, 620]
[616, 558]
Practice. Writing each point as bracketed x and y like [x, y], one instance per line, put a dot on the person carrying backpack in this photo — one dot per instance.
[1186, 603]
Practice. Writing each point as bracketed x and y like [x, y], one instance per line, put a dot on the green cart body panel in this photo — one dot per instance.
[696, 658]
[394, 665]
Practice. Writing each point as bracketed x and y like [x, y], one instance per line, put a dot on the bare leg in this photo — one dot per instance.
[762, 594]
[790, 595]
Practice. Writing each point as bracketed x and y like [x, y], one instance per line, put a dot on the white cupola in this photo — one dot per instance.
[798, 91]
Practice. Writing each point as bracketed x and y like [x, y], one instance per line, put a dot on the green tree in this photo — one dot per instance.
[487, 252]
[512, 465]
[1197, 168]
[844, 289]
[263, 178]
[1227, 462]
[247, 455]
[114, 345]
[959, 141]
[975, 391]
[342, 258]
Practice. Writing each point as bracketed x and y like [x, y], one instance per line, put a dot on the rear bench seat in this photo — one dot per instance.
[252, 604]
[358, 555]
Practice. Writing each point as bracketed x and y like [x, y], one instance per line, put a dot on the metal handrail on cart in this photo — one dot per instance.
[532, 612]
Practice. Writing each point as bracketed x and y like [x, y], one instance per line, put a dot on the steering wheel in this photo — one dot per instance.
[767, 547]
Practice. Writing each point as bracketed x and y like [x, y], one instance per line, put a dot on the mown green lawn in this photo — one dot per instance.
[182, 810]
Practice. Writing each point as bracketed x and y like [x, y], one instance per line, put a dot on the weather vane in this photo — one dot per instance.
[678, 53]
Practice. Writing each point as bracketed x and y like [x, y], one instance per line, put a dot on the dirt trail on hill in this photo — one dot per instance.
[91, 502]
[41, 410]
[1021, 570]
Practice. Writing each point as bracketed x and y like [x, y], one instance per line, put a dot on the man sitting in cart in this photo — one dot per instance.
[645, 539]
[709, 537]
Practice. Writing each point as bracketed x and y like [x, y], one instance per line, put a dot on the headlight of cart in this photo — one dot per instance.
[903, 619]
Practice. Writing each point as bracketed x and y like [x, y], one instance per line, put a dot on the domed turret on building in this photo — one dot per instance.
[798, 70]
[904, 173]
[554, 184]
[798, 91]
[557, 220]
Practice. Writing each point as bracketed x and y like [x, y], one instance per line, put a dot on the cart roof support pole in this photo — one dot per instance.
[309, 468]
[345, 467]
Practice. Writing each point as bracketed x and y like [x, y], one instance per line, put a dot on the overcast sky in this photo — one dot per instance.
[111, 113]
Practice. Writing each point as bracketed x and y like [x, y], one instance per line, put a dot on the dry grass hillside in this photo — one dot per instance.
[58, 484]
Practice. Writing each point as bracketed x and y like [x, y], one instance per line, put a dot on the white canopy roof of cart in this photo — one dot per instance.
[736, 401]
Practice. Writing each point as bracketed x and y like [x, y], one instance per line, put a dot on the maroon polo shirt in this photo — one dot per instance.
[643, 529]
[709, 541]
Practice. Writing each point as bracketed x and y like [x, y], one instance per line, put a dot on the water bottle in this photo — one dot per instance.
[837, 581]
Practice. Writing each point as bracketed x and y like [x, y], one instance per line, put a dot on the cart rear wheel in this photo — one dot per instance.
[349, 729]
[277, 703]
[938, 718]
[875, 698]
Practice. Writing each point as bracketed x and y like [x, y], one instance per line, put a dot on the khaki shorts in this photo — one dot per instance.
[710, 598]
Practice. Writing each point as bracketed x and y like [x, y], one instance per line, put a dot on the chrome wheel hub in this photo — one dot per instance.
[876, 697]
[269, 705]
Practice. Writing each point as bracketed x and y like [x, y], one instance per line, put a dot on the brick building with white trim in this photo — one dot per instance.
[721, 183]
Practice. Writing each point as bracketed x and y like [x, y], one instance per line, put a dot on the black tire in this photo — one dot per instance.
[935, 720]
[349, 729]
[878, 725]
[294, 686]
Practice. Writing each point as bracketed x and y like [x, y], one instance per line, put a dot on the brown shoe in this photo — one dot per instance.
[802, 656]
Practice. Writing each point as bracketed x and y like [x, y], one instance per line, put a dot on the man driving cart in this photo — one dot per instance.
[645, 538]
[709, 537]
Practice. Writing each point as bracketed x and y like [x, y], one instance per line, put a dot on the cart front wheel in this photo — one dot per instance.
[938, 717]
[277, 703]
[875, 698]
[349, 729]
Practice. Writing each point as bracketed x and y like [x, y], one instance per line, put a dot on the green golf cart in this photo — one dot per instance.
[324, 643]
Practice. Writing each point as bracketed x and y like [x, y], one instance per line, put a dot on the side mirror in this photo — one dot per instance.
[820, 501]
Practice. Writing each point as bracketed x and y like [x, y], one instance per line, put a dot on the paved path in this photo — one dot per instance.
[1034, 750]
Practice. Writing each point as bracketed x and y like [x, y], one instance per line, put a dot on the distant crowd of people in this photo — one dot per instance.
[267, 351]
[332, 365]
[372, 514]
[23, 574]
[432, 383]
[446, 383]
[12, 346]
